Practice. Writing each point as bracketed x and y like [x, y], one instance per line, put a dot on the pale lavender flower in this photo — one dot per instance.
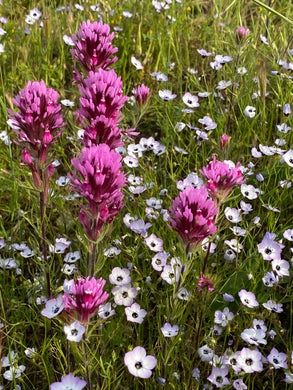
[273, 306]
[204, 53]
[105, 311]
[232, 214]
[222, 85]
[249, 191]
[139, 363]
[254, 336]
[270, 249]
[206, 353]
[248, 298]
[135, 62]
[74, 332]
[230, 358]
[120, 276]
[223, 317]
[288, 234]
[288, 377]
[154, 243]
[249, 111]
[277, 359]
[160, 260]
[123, 295]
[69, 382]
[238, 384]
[234, 245]
[264, 40]
[287, 109]
[134, 313]
[167, 95]
[170, 331]
[218, 377]
[72, 257]
[190, 100]
[170, 274]
[53, 307]
[283, 128]
[270, 279]
[281, 267]
[228, 297]
[250, 360]
[209, 124]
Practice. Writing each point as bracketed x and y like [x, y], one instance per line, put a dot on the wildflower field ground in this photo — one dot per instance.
[146, 219]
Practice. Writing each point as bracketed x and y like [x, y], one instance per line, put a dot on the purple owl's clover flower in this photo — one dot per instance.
[93, 47]
[141, 94]
[99, 180]
[192, 216]
[101, 102]
[87, 295]
[221, 178]
[37, 123]
[241, 34]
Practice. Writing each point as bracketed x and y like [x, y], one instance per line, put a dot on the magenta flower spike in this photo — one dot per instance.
[99, 180]
[241, 33]
[93, 47]
[87, 295]
[101, 101]
[224, 142]
[38, 122]
[221, 178]
[192, 215]
[141, 94]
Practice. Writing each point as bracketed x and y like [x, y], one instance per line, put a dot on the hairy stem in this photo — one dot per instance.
[44, 244]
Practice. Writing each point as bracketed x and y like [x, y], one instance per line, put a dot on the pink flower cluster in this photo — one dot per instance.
[101, 102]
[93, 47]
[38, 123]
[141, 94]
[221, 178]
[101, 89]
[192, 215]
[241, 33]
[87, 295]
[99, 180]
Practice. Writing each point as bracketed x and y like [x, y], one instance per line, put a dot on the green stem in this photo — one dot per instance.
[87, 365]
[44, 244]
[273, 11]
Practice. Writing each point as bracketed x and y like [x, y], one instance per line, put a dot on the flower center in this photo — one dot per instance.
[219, 379]
[138, 365]
[248, 362]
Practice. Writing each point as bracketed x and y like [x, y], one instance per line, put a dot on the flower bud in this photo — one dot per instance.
[241, 33]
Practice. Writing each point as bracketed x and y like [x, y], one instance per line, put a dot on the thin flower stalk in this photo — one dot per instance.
[38, 124]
